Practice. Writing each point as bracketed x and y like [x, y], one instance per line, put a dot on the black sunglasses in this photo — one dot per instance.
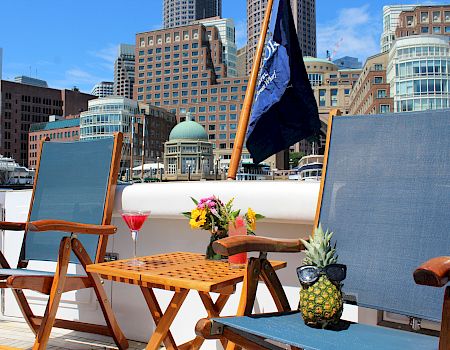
[309, 274]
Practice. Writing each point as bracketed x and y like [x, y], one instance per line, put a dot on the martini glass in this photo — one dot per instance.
[134, 220]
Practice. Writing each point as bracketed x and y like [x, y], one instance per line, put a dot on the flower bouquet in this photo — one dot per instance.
[213, 215]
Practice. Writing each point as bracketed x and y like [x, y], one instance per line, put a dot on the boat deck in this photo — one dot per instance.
[19, 335]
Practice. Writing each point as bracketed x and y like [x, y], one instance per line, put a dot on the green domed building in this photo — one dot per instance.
[188, 153]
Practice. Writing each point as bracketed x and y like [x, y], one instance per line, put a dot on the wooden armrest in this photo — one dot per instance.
[67, 226]
[12, 226]
[239, 244]
[435, 272]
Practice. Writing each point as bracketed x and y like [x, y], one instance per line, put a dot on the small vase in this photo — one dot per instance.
[215, 235]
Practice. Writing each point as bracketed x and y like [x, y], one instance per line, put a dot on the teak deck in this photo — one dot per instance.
[178, 272]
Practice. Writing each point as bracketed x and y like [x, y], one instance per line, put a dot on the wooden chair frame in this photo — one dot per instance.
[55, 285]
[435, 273]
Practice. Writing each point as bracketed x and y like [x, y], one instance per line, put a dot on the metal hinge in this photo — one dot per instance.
[216, 328]
[415, 323]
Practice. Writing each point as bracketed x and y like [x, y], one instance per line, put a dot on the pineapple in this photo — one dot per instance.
[321, 303]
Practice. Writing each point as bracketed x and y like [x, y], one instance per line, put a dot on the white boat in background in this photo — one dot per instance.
[11, 173]
[309, 168]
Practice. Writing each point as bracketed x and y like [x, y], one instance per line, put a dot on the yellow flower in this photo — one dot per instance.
[251, 217]
[198, 218]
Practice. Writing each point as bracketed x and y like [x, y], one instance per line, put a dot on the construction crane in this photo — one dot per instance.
[332, 55]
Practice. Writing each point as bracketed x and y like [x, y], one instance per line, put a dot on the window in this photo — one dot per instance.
[334, 100]
[378, 66]
[436, 30]
[385, 108]
[378, 80]
[436, 16]
[381, 93]
[322, 98]
[424, 17]
[424, 30]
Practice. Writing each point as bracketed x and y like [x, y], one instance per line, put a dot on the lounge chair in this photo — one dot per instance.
[68, 221]
[386, 196]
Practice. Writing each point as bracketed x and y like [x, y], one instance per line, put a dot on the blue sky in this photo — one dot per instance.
[74, 42]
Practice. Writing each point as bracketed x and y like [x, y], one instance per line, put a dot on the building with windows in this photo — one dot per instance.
[23, 105]
[22, 79]
[124, 71]
[188, 154]
[182, 70]
[304, 12]
[56, 130]
[391, 16]
[108, 115]
[1, 62]
[348, 62]
[241, 61]
[418, 73]
[103, 89]
[424, 20]
[227, 35]
[371, 93]
[183, 12]
[332, 86]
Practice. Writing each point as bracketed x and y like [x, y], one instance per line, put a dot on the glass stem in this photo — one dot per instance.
[134, 235]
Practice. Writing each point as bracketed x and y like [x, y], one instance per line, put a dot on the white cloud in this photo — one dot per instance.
[106, 55]
[241, 33]
[84, 80]
[355, 32]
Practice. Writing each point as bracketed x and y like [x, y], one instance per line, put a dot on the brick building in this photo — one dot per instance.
[23, 105]
[424, 20]
[181, 69]
[371, 93]
[55, 130]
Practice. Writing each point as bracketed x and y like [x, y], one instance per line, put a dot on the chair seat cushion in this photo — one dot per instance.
[289, 328]
[4, 273]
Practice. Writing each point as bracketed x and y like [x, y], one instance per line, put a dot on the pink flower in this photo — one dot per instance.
[211, 204]
[201, 206]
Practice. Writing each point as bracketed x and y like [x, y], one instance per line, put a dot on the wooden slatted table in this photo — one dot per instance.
[178, 272]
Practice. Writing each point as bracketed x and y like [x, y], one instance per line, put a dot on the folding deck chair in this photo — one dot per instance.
[386, 196]
[68, 221]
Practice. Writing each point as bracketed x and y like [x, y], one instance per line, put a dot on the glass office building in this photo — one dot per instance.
[418, 73]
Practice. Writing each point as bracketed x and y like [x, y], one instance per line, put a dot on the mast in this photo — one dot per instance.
[249, 94]
[143, 149]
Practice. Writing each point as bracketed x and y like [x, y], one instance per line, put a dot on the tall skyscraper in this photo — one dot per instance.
[124, 71]
[227, 35]
[304, 12]
[183, 12]
[182, 70]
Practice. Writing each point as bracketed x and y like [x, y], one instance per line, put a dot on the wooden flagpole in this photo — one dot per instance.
[248, 101]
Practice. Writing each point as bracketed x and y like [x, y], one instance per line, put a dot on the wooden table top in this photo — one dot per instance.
[174, 271]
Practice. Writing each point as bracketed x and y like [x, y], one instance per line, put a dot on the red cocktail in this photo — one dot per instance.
[237, 228]
[134, 221]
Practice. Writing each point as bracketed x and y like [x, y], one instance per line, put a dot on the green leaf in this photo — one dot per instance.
[194, 200]
[259, 216]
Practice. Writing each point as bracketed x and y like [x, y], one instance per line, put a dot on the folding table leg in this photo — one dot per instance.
[163, 322]
[156, 312]
[213, 309]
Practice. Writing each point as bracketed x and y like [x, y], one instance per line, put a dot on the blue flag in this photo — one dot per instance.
[285, 110]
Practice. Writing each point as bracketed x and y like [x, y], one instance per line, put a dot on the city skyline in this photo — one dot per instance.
[88, 57]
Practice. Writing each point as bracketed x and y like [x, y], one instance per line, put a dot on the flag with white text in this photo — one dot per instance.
[285, 110]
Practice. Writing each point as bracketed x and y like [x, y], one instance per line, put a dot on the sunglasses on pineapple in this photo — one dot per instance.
[309, 274]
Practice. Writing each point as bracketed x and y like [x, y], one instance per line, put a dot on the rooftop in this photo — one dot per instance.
[59, 124]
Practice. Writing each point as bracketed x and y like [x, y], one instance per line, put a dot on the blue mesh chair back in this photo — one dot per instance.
[72, 185]
[386, 196]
